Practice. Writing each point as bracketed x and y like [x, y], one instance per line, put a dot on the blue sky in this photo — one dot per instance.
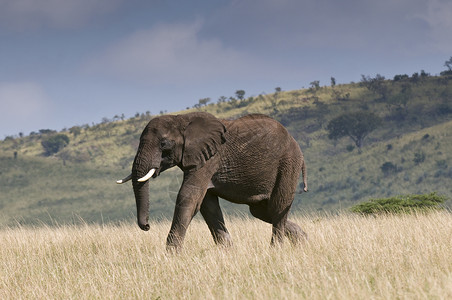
[74, 62]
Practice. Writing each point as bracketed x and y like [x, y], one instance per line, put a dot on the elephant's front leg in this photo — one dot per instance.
[188, 204]
[211, 212]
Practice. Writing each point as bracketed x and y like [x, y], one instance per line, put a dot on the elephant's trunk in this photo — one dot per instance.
[141, 190]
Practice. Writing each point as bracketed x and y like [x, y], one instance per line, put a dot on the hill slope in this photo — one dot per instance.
[414, 140]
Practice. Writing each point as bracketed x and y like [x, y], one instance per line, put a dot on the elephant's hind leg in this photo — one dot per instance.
[295, 233]
[281, 201]
[262, 211]
[211, 212]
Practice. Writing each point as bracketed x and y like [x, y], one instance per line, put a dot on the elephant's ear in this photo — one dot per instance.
[202, 139]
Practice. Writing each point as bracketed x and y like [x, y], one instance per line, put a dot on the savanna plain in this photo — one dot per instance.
[345, 257]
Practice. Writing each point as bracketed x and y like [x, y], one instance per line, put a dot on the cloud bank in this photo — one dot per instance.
[402, 25]
[22, 15]
[22, 104]
[170, 53]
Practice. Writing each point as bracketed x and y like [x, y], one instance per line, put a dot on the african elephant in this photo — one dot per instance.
[252, 160]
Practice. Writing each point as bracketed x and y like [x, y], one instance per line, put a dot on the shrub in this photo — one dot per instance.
[355, 125]
[400, 204]
[75, 130]
[46, 131]
[419, 157]
[443, 109]
[75, 156]
[388, 168]
[350, 148]
[54, 143]
[401, 77]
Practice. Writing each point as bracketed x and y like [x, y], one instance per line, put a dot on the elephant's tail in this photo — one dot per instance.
[305, 175]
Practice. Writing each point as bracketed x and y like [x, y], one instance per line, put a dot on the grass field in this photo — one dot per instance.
[345, 257]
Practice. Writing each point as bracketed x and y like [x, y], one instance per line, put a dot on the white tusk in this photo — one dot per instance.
[147, 176]
[125, 179]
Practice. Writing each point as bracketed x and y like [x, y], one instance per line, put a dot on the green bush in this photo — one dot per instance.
[419, 157]
[400, 204]
[388, 168]
[350, 148]
[53, 144]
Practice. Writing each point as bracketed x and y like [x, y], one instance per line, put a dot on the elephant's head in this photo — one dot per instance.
[187, 141]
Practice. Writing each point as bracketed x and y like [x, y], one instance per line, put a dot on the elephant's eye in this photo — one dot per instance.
[166, 145]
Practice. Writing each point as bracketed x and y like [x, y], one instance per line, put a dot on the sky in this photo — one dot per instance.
[74, 62]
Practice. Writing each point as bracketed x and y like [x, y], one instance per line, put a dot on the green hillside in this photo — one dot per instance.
[409, 152]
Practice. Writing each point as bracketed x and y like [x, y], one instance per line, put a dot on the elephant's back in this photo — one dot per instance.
[257, 133]
[256, 146]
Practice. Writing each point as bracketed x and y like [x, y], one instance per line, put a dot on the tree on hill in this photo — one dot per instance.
[376, 85]
[333, 82]
[400, 100]
[240, 94]
[315, 86]
[204, 101]
[75, 130]
[53, 144]
[222, 99]
[355, 125]
[46, 131]
[448, 65]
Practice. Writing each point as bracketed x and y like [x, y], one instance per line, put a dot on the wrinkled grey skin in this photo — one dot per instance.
[252, 160]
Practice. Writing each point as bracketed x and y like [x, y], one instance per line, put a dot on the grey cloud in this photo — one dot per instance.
[171, 53]
[22, 103]
[403, 25]
[438, 16]
[24, 15]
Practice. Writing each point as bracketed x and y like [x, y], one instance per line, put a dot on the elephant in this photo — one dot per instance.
[252, 160]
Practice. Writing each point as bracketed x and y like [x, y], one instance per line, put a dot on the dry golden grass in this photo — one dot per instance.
[346, 257]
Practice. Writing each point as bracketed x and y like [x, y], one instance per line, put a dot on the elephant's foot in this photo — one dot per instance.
[171, 249]
[173, 243]
[277, 236]
[222, 238]
[295, 234]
